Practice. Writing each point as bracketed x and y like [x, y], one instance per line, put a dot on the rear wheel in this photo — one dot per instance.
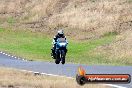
[63, 61]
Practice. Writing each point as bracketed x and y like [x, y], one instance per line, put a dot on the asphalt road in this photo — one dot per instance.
[68, 69]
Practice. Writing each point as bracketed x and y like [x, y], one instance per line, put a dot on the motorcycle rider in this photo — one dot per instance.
[60, 34]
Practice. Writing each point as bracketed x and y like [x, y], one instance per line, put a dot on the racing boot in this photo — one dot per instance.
[53, 53]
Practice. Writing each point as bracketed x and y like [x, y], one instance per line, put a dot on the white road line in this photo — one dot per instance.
[46, 74]
[27, 71]
[115, 86]
[12, 56]
[7, 54]
[56, 75]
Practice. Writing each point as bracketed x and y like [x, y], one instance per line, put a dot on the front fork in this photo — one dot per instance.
[57, 51]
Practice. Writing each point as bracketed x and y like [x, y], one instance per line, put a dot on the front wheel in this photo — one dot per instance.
[63, 57]
[57, 59]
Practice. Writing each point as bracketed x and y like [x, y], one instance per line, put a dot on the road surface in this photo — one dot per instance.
[68, 69]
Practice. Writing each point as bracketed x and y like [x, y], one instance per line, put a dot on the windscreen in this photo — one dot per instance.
[61, 40]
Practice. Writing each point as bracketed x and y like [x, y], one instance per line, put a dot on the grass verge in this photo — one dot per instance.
[36, 46]
[8, 79]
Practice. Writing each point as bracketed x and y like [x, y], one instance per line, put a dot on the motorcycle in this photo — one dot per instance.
[60, 50]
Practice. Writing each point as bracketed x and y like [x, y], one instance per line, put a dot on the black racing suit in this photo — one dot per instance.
[58, 36]
[55, 40]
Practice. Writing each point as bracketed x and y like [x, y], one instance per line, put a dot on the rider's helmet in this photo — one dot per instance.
[61, 33]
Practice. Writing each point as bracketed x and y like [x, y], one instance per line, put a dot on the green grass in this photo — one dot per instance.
[36, 46]
[81, 52]
[26, 44]
[11, 20]
[1, 29]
